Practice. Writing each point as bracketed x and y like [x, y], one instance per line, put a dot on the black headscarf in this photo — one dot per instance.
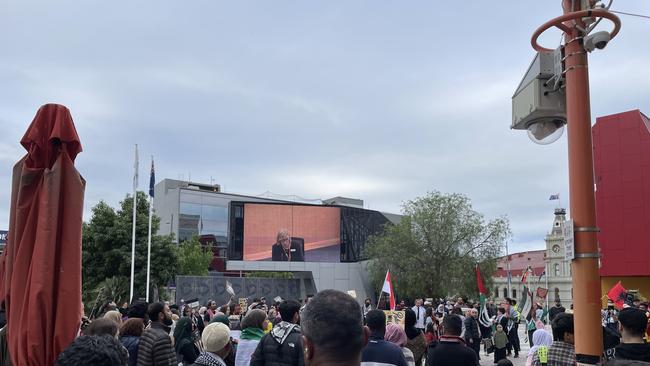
[182, 333]
[409, 324]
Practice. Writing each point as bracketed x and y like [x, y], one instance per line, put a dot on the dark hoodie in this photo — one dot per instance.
[281, 347]
[633, 351]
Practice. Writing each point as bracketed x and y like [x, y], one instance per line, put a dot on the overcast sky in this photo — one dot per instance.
[376, 100]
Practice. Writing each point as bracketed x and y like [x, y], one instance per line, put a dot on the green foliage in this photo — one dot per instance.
[434, 249]
[283, 275]
[193, 259]
[106, 245]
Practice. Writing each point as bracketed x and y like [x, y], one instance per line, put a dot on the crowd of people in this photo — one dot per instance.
[332, 329]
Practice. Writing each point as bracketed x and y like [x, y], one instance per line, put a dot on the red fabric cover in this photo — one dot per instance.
[40, 271]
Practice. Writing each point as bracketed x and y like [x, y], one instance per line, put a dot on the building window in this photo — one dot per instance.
[514, 293]
[496, 292]
[505, 292]
[556, 269]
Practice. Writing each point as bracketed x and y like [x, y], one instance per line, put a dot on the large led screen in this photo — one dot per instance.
[291, 233]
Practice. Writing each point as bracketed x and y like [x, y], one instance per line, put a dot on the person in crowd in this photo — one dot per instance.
[416, 342]
[210, 311]
[431, 333]
[561, 352]
[286, 250]
[216, 345]
[396, 335]
[473, 333]
[235, 317]
[513, 326]
[253, 326]
[367, 306]
[554, 311]
[93, 350]
[130, 333]
[531, 325]
[632, 325]
[451, 349]
[378, 350]
[186, 351]
[500, 343]
[540, 338]
[420, 315]
[283, 345]
[332, 330]
[138, 309]
[505, 362]
[155, 347]
[102, 326]
[115, 316]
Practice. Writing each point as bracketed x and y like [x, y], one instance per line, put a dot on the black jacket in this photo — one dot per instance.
[471, 328]
[451, 351]
[552, 313]
[155, 347]
[633, 351]
[279, 255]
[282, 346]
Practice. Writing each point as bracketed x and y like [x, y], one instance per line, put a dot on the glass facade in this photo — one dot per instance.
[205, 215]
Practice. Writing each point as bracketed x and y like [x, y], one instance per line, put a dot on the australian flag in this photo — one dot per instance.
[152, 180]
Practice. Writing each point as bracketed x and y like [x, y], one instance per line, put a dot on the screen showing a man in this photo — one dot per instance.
[286, 249]
[291, 233]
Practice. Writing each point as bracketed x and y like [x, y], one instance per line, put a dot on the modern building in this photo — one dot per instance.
[621, 144]
[545, 265]
[188, 209]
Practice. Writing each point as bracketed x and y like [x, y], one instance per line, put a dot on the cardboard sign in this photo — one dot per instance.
[192, 303]
[243, 303]
[395, 317]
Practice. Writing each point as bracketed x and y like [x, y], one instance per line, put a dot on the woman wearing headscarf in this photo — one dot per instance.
[252, 326]
[186, 350]
[416, 341]
[396, 335]
[541, 338]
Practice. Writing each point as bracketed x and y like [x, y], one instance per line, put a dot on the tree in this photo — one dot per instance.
[193, 258]
[435, 247]
[106, 248]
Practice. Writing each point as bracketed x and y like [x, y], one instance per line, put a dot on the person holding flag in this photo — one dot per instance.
[387, 288]
[485, 321]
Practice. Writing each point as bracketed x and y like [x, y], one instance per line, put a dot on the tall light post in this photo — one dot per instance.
[561, 95]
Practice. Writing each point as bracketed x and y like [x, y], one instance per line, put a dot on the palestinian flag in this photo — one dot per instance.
[484, 316]
[526, 303]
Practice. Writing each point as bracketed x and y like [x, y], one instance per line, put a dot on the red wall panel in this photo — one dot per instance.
[622, 171]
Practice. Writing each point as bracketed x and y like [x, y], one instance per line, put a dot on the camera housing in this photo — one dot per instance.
[598, 40]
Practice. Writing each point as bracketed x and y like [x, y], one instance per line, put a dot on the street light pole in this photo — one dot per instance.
[586, 279]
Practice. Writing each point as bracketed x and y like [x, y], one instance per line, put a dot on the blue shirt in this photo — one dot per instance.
[378, 352]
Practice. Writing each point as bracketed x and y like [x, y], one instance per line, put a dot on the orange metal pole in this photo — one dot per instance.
[586, 280]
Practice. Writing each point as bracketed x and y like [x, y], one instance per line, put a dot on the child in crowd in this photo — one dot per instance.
[500, 342]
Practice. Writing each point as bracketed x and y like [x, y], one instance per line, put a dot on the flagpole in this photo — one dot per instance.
[135, 204]
[508, 269]
[151, 182]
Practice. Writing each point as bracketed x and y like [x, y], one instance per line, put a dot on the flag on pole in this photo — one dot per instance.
[484, 316]
[618, 295]
[526, 303]
[542, 292]
[554, 197]
[541, 275]
[229, 289]
[524, 275]
[135, 168]
[388, 288]
[152, 179]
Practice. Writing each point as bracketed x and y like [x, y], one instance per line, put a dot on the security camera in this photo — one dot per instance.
[596, 40]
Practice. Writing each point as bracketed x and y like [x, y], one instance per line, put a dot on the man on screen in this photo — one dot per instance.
[285, 250]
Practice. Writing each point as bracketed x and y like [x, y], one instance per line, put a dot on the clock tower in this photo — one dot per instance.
[558, 270]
